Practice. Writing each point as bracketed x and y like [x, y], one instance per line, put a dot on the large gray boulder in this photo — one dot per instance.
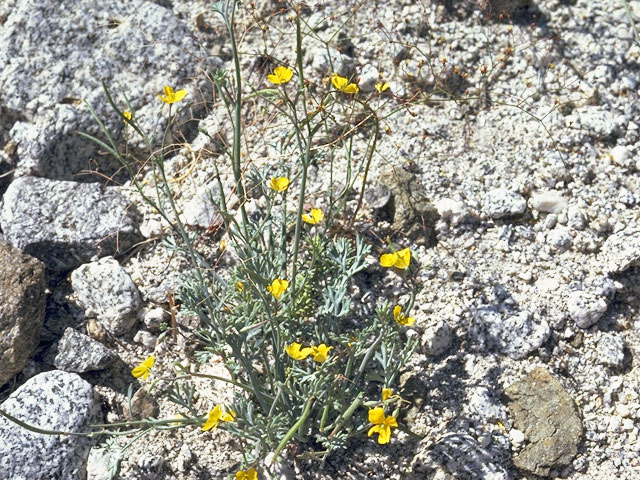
[22, 306]
[66, 224]
[53, 58]
[58, 401]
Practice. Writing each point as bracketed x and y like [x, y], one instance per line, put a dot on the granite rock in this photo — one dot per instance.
[52, 400]
[53, 59]
[586, 307]
[79, 353]
[65, 224]
[107, 292]
[22, 308]
[501, 203]
[621, 250]
[515, 334]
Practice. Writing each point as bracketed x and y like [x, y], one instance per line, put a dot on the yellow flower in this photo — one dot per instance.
[172, 96]
[401, 318]
[250, 474]
[218, 415]
[127, 114]
[381, 87]
[280, 75]
[279, 184]
[223, 245]
[386, 394]
[400, 259]
[320, 353]
[381, 425]
[297, 353]
[316, 216]
[239, 286]
[144, 368]
[342, 84]
[277, 287]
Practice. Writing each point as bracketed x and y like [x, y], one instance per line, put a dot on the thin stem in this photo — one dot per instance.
[292, 431]
[237, 124]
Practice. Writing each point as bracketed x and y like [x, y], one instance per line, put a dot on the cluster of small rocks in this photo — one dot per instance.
[523, 218]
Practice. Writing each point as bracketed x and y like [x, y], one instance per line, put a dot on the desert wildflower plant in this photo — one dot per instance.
[305, 365]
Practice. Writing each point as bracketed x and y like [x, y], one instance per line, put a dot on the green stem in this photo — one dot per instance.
[292, 431]
[347, 414]
[366, 169]
[237, 124]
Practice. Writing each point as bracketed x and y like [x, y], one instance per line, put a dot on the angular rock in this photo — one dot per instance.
[79, 353]
[22, 308]
[501, 203]
[107, 292]
[65, 224]
[548, 202]
[452, 210]
[611, 350]
[202, 210]
[143, 405]
[621, 251]
[413, 214]
[53, 59]
[53, 400]
[560, 239]
[586, 308]
[546, 414]
[515, 334]
[437, 337]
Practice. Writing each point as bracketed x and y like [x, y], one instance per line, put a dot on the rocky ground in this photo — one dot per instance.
[509, 165]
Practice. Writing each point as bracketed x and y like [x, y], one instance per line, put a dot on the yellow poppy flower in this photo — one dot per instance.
[314, 217]
[144, 368]
[280, 75]
[127, 114]
[279, 184]
[381, 425]
[239, 286]
[278, 287]
[386, 394]
[320, 353]
[218, 415]
[250, 474]
[381, 87]
[297, 353]
[401, 318]
[172, 96]
[342, 84]
[400, 259]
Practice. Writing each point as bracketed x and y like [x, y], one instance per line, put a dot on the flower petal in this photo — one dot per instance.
[403, 258]
[388, 259]
[384, 434]
[179, 95]
[339, 82]
[376, 416]
[351, 88]
[386, 393]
